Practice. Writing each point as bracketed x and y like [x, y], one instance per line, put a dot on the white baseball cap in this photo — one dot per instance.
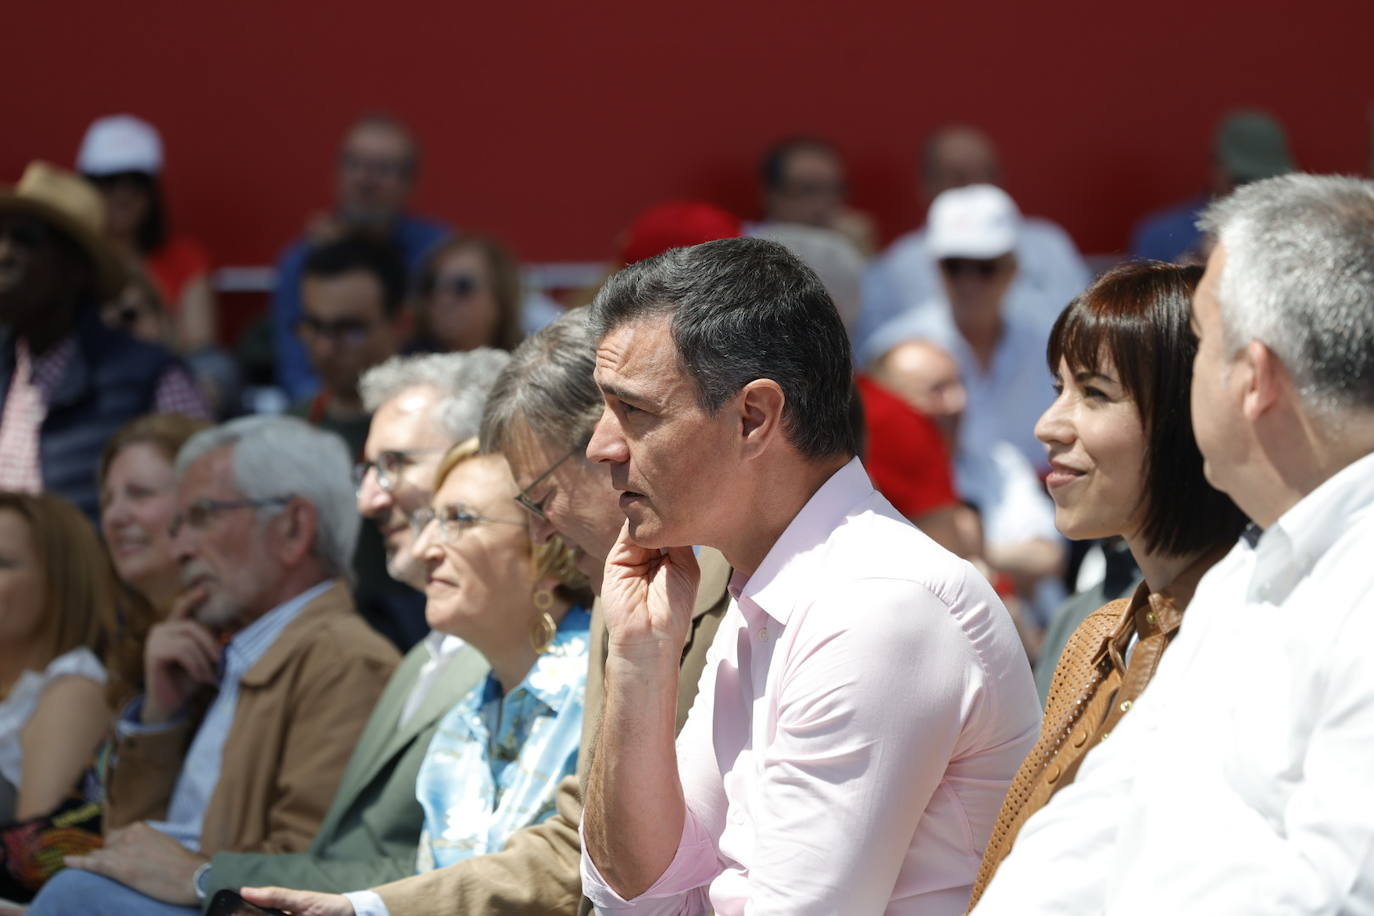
[978, 221]
[120, 143]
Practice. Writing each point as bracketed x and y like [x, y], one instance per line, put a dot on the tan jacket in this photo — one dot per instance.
[299, 712]
[538, 870]
[1093, 687]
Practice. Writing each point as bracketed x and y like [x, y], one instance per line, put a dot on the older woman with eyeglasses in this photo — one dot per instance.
[498, 755]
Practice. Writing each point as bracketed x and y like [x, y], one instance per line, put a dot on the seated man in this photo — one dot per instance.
[67, 381]
[257, 687]
[973, 236]
[1238, 783]
[378, 163]
[1050, 269]
[1020, 542]
[353, 318]
[866, 700]
[540, 415]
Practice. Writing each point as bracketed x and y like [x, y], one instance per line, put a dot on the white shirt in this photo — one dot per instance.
[862, 710]
[1005, 398]
[443, 648]
[1049, 273]
[1241, 781]
[18, 707]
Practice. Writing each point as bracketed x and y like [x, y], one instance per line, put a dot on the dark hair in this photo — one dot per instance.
[503, 270]
[774, 162]
[746, 309]
[151, 233]
[362, 252]
[1138, 316]
[548, 387]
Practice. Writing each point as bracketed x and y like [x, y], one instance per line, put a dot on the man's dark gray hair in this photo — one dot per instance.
[547, 386]
[746, 309]
[1299, 278]
[462, 379]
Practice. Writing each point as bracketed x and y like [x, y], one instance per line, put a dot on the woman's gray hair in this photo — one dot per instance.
[547, 386]
[462, 379]
[283, 456]
[1299, 278]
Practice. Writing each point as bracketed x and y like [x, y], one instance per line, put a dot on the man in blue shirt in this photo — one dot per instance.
[378, 164]
[1250, 145]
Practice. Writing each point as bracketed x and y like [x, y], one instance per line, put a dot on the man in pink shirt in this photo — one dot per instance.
[866, 700]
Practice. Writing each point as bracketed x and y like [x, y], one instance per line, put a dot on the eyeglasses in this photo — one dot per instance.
[351, 331]
[26, 232]
[199, 513]
[523, 497]
[983, 268]
[453, 521]
[380, 167]
[460, 286]
[390, 465]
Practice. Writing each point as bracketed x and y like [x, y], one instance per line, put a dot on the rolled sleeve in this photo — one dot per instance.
[367, 903]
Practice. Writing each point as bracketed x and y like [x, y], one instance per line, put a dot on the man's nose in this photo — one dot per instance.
[373, 501]
[607, 445]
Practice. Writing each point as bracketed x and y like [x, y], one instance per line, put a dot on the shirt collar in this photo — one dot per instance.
[249, 644]
[1289, 548]
[562, 665]
[785, 576]
[442, 646]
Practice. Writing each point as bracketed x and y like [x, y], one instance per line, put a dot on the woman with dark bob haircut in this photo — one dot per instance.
[1123, 461]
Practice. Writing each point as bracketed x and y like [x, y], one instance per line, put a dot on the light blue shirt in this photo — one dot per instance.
[200, 770]
[1006, 397]
[1049, 272]
[494, 764]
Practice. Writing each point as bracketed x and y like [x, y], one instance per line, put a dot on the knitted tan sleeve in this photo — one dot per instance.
[1072, 686]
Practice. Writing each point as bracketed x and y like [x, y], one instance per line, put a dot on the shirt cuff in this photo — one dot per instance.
[130, 721]
[367, 903]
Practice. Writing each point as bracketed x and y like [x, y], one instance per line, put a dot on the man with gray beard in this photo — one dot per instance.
[257, 686]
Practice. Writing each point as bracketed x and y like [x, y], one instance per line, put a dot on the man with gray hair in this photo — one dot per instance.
[268, 635]
[1240, 783]
[420, 406]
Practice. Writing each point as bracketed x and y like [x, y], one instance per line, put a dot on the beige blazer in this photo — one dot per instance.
[538, 871]
[300, 710]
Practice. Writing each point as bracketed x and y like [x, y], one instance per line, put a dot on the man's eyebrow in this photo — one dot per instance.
[623, 394]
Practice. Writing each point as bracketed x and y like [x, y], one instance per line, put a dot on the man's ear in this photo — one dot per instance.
[761, 404]
[1265, 378]
[294, 530]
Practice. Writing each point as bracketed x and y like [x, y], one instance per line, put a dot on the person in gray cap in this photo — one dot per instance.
[1250, 145]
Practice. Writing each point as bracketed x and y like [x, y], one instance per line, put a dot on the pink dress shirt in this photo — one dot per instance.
[862, 711]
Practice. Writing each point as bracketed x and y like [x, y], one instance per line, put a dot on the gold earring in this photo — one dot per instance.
[544, 628]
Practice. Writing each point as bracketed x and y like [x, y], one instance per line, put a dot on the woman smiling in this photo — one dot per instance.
[498, 755]
[1123, 461]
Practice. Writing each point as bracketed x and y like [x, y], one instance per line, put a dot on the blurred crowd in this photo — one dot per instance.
[341, 608]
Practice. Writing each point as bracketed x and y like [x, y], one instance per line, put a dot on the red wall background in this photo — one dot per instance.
[551, 124]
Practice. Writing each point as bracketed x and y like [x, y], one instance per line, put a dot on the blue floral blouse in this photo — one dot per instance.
[494, 763]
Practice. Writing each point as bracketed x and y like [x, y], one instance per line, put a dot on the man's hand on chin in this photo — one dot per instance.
[148, 861]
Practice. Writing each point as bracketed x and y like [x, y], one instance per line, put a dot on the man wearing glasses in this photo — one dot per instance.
[377, 166]
[540, 415]
[972, 234]
[353, 319]
[256, 694]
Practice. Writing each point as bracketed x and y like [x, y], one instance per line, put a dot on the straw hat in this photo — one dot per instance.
[73, 205]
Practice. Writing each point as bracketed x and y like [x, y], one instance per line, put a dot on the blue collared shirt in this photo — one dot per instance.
[413, 237]
[200, 770]
[495, 762]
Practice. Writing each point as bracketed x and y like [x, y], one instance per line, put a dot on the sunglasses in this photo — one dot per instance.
[982, 268]
[26, 233]
[460, 286]
[347, 330]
